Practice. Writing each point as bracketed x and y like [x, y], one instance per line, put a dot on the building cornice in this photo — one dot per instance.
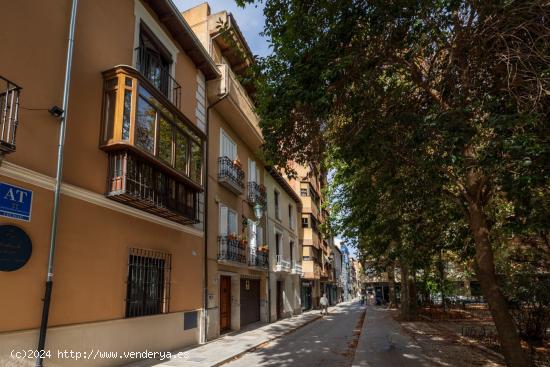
[31, 177]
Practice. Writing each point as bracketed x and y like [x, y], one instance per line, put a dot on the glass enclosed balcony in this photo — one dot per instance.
[9, 114]
[155, 152]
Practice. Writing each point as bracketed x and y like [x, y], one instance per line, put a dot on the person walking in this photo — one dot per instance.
[324, 304]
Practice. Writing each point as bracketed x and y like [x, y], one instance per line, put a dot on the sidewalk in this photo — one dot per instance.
[234, 344]
[384, 343]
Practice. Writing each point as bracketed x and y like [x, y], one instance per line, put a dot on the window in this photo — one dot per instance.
[228, 148]
[253, 171]
[278, 244]
[290, 216]
[160, 133]
[277, 209]
[303, 192]
[291, 245]
[228, 221]
[145, 125]
[148, 286]
[154, 60]
[305, 222]
[259, 236]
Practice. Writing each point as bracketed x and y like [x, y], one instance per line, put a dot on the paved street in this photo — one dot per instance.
[351, 335]
[325, 342]
[384, 343]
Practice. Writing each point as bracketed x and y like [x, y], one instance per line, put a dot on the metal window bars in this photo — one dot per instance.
[148, 282]
[152, 67]
[9, 113]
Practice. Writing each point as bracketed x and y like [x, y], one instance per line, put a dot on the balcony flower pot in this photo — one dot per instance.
[237, 163]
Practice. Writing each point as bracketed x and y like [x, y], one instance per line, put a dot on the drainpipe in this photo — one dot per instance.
[57, 192]
[205, 327]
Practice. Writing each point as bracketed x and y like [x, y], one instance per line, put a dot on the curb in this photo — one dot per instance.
[258, 346]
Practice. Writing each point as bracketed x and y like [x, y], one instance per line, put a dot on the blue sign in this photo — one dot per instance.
[15, 202]
[15, 248]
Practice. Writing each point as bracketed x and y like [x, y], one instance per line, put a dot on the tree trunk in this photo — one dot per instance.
[507, 332]
[441, 270]
[413, 296]
[405, 303]
[391, 280]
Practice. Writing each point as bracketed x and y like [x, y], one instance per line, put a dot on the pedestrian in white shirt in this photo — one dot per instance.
[324, 304]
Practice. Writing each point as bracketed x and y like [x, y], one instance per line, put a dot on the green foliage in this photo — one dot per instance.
[422, 110]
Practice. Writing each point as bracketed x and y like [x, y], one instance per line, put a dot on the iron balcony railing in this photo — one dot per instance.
[231, 174]
[296, 268]
[259, 259]
[138, 183]
[9, 113]
[257, 193]
[230, 248]
[152, 67]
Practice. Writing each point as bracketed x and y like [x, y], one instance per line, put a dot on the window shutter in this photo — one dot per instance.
[223, 220]
[232, 220]
[233, 152]
[252, 234]
[259, 236]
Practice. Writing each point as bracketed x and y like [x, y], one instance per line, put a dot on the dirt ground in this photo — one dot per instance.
[445, 348]
[444, 345]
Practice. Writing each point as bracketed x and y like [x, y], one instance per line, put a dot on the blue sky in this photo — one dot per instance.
[250, 20]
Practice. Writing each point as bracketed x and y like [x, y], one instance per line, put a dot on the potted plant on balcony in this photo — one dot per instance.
[237, 163]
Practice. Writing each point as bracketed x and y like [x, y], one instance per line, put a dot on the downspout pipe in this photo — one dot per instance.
[57, 191]
[205, 327]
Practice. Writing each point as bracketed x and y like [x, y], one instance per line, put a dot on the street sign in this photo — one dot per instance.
[15, 202]
[15, 248]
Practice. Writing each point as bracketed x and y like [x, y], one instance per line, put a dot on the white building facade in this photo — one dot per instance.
[285, 250]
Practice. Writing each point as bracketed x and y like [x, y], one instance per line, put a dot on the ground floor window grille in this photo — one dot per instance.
[148, 286]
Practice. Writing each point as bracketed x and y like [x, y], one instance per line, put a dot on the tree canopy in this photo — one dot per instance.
[433, 115]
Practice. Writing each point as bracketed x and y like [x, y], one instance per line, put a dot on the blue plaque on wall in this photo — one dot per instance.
[15, 248]
[15, 202]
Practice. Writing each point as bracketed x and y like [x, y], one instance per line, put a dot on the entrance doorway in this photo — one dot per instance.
[225, 303]
[279, 300]
[250, 301]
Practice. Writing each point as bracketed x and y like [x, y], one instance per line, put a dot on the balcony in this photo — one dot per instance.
[230, 175]
[232, 249]
[155, 152]
[257, 194]
[296, 268]
[9, 113]
[237, 108]
[136, 182]
[150, 65]
[282, 265]
[259, 259]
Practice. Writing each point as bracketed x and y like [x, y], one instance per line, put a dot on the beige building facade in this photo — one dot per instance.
[130, 243]
[237, 266]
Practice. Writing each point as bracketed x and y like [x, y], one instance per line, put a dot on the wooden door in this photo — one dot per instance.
[279, 300]
[225, 303]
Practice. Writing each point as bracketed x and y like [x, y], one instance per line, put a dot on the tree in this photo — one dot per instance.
[469, 81]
